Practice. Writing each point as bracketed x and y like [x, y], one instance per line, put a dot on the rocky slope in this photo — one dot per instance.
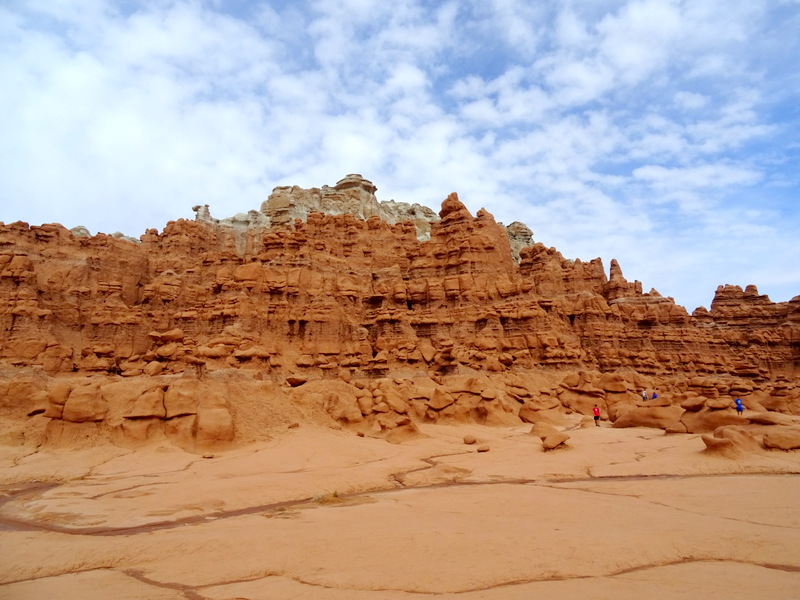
[330, 306]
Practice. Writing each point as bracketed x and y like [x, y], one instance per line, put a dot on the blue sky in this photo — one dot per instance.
[662, 133]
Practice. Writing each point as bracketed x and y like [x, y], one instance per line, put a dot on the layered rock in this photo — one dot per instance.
[352, 195]
[378, 314]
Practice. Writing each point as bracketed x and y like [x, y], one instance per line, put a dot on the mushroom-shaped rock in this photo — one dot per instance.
[554, 440]
[707, 420]
[649, 416]
[542, 430]
[731, 441]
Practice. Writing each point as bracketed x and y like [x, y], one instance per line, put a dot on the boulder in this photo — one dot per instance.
[213, 426]
[731, 441]
[783, 438]
[181, 398]
[659, 417]
[706, 420]
[148, 404]
[542, 430]
[719, 403]
[440, 399]
[554, 440]
[85, 403]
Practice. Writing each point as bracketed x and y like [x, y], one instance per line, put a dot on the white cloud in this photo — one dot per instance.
[702, 176]
[594, 123]
[689, 100]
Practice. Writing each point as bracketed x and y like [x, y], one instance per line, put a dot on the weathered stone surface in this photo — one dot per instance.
[181, 398]
[85, 403]
[707, 420]
[554, 440]
[731, 441]
[149, 404]
[719, 403]
[693, 403]
[542, 430]
[650, 416]
[783, 438]
[214, 425]
[441, 318]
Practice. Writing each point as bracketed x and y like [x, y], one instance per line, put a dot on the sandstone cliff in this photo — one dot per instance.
[330, 306]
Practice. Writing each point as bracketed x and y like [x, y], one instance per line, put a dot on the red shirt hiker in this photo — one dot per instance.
[596, 412]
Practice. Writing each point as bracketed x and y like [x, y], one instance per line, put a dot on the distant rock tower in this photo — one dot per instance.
[352, 195]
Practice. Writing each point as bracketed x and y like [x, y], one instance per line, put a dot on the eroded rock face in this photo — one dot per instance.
[352, 195]
[379, 315]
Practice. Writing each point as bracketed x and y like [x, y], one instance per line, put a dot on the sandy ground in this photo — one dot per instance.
[324, 514]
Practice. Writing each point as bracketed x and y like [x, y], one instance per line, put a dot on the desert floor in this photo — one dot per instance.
[319, 513]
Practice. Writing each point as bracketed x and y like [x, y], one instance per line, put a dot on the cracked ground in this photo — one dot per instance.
[321, 514]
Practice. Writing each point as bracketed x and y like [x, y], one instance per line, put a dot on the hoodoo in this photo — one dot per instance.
[327, 304]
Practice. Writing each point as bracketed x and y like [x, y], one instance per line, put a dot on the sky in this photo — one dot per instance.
[662, 133]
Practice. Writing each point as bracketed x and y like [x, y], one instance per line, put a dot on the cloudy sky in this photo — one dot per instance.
[663, 133]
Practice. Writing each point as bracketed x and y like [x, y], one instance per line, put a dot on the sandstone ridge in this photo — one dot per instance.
[329, 307]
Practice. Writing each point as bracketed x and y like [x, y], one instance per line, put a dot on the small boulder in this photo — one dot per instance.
[214, 425]
[660, 417]
[554, 440]
[84, 404]
[707, 420]
[731, 441]
[693, 403]
[718, 403]
[770, 418]
[296, 380]
[783, 438]
[440, 400]
[542, 430]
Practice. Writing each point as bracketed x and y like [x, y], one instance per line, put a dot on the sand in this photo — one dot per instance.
[318, 513]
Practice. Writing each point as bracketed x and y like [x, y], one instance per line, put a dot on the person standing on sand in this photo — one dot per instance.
[739, 406]
[644, 395]
[596, 413]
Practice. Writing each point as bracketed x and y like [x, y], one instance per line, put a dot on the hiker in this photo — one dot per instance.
[654, 396]
[739, 406]
[596, 413]
[644, 395]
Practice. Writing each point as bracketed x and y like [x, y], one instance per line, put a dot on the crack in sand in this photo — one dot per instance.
[399, 478]
[638, 568]
[193, 592]
[195, 462]
[190, 592]
[514, 583]
[555, 486]
[16, 460]
[10, 523]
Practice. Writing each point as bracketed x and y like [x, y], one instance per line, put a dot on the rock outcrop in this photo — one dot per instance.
[352, 195]
[373, 315]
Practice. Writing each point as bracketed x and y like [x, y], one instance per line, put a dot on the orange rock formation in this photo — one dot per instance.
[375, 316]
